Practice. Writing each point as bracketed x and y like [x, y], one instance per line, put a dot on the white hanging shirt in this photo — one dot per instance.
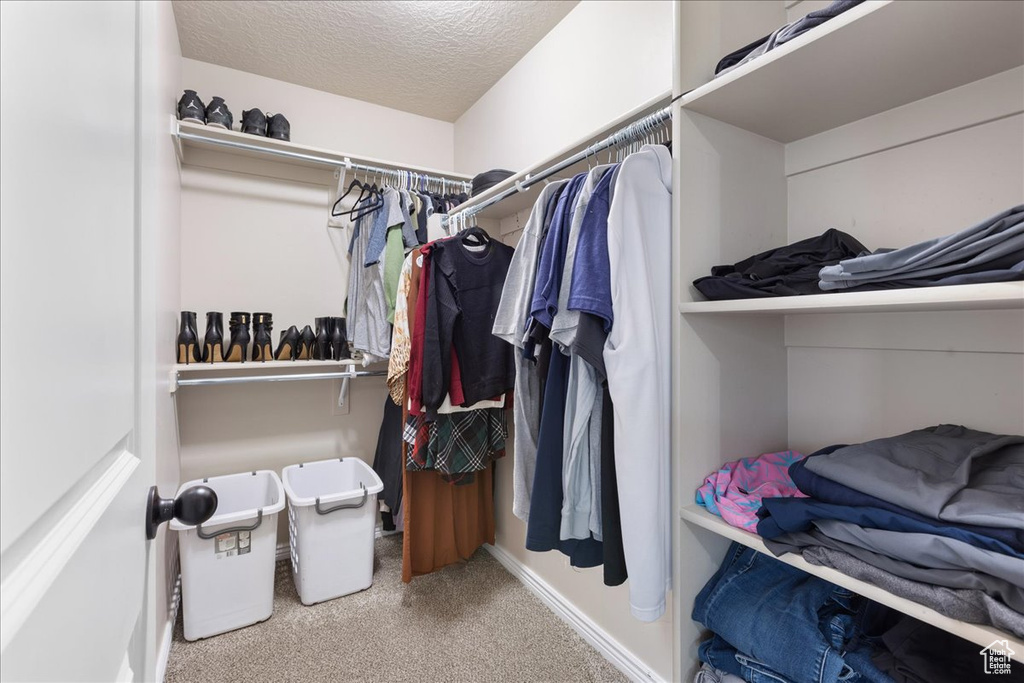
[637, 357]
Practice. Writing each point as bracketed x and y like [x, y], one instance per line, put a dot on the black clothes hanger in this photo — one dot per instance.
[374, 200]
[475, 236]
[351, 186]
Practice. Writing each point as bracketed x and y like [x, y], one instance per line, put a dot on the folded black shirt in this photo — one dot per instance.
[784, 271]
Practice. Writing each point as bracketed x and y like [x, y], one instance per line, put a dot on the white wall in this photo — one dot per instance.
[160, 274]
[602, 60]
[254, 241]
[324, 120]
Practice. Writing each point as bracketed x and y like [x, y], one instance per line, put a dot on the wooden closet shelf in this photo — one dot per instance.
[987, 296]
[870, 59]
[976, 633]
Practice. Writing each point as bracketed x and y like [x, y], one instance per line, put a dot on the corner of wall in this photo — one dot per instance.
[564, 88]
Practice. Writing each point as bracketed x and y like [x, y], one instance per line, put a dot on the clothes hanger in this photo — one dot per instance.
[376, 201]
[354, 184]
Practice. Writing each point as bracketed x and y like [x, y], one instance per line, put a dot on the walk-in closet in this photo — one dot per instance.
[512, 340]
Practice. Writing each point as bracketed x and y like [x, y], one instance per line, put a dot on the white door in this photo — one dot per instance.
[73, 553]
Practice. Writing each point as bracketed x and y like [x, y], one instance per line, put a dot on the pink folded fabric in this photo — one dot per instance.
[735, 491]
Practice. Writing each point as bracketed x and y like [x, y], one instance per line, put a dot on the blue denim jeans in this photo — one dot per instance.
[724, 657]
[775, 622]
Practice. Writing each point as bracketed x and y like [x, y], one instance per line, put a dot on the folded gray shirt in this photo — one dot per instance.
[972, 606]
[927, 550]
[985, 242]
[946, 472]
[799, 541]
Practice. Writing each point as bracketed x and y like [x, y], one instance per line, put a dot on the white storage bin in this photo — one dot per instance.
[227, 563]
[332, 516]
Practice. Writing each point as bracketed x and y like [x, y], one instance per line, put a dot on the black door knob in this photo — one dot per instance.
[195, 505]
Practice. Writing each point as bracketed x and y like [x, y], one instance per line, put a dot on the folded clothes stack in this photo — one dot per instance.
[935, 515]
[819, 633]
[783, 35]
[990, 251]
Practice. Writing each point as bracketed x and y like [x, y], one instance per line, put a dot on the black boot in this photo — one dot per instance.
[188, 339]
[288, 344]
[322, 345]
[213, 343]
[262, 346]
[238, 346]
[306, 342]
[339, 340]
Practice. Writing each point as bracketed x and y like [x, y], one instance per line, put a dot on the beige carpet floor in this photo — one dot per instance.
[471, 622]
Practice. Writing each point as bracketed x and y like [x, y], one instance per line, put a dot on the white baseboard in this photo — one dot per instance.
[623, 660]
[164, 646]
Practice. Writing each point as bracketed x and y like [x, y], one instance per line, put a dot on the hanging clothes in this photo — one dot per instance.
[465, 286]
[387, 460]
[573, 281]
[586, 310]
[451, 435]
[386, 224]
[509, 322]
[637, 357]
[444, 524]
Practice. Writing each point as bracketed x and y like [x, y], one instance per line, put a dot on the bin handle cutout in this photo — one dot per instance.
[205, 535]
[341, 506]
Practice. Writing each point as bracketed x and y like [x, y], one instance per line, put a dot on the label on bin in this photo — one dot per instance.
[232, 544]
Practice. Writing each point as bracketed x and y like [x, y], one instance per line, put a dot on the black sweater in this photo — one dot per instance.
[464, 291]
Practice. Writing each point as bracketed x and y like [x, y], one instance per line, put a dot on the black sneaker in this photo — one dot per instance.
[218, 115]
[191, 108]
[279, 128]
[254, 122]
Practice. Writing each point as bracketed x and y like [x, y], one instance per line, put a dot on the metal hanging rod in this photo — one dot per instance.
[298, 377]
[636, 130]
[345, 162]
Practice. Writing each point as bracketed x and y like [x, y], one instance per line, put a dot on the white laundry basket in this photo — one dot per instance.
[332, 516]
[227, 563]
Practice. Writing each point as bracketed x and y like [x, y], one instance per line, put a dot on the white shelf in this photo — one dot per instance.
[255, 367]
[988, 296]
[275, 150]
[870, 59]
[976, 633]
[524, 200]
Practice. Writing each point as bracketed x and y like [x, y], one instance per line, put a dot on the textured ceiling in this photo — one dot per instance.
[429, 57]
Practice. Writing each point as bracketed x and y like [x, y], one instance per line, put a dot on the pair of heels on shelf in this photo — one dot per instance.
[329, 342]
[212, 349]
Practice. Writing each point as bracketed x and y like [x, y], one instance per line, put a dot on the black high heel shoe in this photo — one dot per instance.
[339, 340]
[213, 343]
[322, 343]
[188, 339]
[306, 342]
[263, 342]
[288, 347]
[238, 346]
